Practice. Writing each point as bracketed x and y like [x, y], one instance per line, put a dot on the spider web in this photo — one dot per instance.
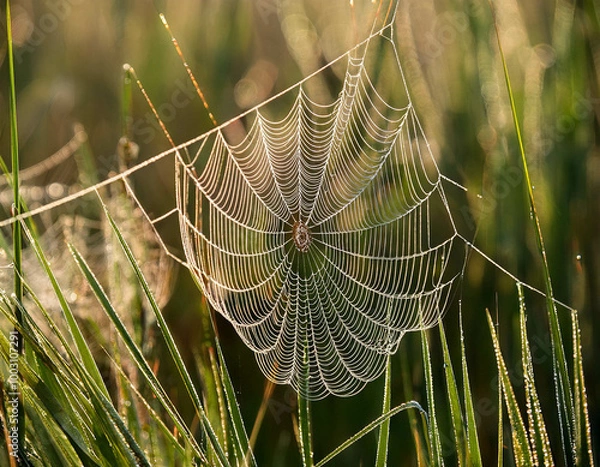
[312, 234]
[322, 234]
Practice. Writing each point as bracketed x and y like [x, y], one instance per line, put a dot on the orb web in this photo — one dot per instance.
[322, 233]
[312, 233]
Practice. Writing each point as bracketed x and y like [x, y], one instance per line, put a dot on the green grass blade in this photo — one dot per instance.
[65, 407]
[384, 431]
[585, 454]
[44, 355]
[50, 439]
[33, 385]
[304, 421]
[370, 427]
[500, 424]
[239, 430]
[84, 351]
[206, 366]
[420, 445]
[538, 435]
[561, 373]
[454, 400]
[14, 151]
[170, 341]
[126, 404]
[54, 384]
[522, 452]
[103, 412]
[135, 352]
[220, 402]
[65, 399]
[435, 446]
[211, 399]
[160, 425]
[114, 426]
[104, 416]
[473, 452]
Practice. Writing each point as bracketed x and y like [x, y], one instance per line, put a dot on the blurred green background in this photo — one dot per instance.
[69, 56]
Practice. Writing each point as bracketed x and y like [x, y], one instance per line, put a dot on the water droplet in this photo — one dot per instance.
[479, 196]
[578, 257]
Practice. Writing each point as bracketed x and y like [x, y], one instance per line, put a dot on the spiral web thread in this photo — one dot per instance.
[314, 231]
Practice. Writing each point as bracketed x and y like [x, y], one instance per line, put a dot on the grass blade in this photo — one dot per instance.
[453, 399]
[384, 431]
[370, 427]
[220, 401]
[239, 430]
[561, 374]
[304, 425]
[211, 401]
[135, 352]
[473, 456]
[53, 391]
[585, 454]
[522, 452]
[500, 424]
[106, 422]
[538, 435]
[170, 341]
[84, 351]
[14, 151]
[434, 443]
[51, 439]
[115, 427]
[160, 425]
[420, 445]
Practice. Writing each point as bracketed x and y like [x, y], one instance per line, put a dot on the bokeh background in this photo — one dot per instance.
[69, 58]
